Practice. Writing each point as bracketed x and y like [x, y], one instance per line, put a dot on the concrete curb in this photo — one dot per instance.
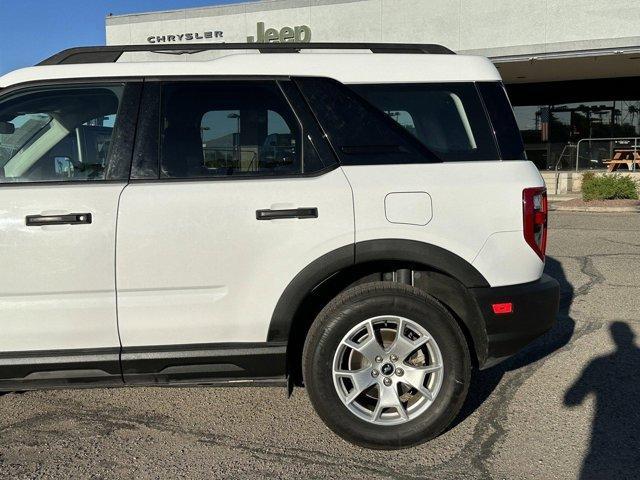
[563, 208]
[561, 198]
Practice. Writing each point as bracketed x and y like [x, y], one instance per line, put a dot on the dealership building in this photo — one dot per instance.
[572, 67]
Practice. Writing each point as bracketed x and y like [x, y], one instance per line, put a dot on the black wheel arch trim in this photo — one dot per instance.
[384, 250]
[302, 284]
[422, 253]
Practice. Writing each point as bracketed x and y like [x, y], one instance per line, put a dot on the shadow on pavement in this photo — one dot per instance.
[614, 380]
[484, 382]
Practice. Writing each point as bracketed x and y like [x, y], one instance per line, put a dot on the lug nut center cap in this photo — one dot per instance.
[387, 369]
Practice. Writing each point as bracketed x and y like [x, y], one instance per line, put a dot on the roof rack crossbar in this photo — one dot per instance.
[111, 53]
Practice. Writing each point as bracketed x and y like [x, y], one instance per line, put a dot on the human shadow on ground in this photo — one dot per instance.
[614, 381]
[484, 382]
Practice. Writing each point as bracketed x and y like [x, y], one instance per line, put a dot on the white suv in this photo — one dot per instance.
[358, 219]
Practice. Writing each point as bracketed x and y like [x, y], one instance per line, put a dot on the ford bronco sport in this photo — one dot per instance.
[359, 219]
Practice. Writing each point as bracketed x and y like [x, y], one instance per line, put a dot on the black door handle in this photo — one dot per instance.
[68, 219]
[287, 213]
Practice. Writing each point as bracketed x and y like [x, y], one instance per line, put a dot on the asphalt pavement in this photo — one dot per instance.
[568, 406]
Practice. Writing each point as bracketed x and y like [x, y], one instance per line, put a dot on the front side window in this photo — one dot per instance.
[449, 119]
[58, 134]
[228, 129]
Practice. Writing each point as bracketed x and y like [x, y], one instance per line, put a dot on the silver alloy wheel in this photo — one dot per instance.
[388, 370]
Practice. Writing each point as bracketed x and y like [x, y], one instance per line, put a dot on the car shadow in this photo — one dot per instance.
[484, 382]
[614, 381]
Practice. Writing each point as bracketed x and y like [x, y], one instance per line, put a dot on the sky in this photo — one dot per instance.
[32, 30]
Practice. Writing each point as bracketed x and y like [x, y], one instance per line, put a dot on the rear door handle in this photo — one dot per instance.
[310, 212]
[68, 219]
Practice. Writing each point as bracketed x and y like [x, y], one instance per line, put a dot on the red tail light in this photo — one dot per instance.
[534, 212]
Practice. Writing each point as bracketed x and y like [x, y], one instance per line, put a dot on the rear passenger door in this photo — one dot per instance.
[232, 194]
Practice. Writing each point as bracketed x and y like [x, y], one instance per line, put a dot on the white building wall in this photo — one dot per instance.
[489, 27]
[405, 20]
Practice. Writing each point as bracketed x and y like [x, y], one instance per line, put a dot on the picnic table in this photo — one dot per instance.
[623, 156]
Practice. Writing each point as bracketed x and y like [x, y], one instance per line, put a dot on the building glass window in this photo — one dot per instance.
[578, 124]
[551, 132]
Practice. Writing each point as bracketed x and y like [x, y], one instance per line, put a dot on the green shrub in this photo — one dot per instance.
[608, 187]
[587, 177]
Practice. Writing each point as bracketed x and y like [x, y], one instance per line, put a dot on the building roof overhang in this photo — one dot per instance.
[569, 65]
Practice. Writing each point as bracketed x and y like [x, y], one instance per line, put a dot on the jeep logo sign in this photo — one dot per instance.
[299, 34]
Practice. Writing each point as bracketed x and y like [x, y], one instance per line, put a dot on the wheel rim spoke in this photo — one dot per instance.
[432, 368]
[370, 348]
[403, 347]
[414, 377]
[361, 380]
[388, 398]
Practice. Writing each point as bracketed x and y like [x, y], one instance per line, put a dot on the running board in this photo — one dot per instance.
[237, 364]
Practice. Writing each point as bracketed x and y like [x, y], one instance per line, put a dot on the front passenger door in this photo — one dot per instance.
[65, 153]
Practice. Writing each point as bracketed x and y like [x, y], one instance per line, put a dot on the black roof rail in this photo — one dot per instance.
[111, 53]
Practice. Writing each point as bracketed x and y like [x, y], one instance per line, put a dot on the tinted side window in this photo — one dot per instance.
[449, 118]
[359, 132]
[146, 160]
[227, 128]
[318, 154]
[58, 133]
[504, 123]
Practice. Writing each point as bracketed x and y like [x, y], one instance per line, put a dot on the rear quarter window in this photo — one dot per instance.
[504, 122]
[448, 118]
[360, 133]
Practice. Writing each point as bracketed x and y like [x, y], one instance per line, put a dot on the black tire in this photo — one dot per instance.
[349, 309]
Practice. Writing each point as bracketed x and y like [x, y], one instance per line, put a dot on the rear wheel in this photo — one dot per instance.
[386, 366]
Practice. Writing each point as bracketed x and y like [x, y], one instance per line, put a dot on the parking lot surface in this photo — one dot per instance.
[567, 406]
